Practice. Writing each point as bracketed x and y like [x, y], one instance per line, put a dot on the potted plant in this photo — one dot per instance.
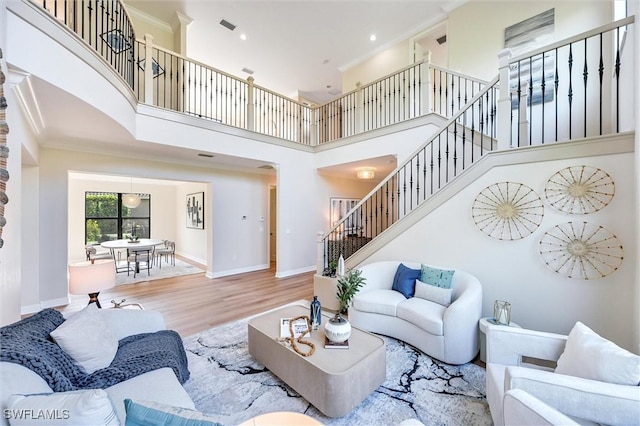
[331, 270]
[338, 329]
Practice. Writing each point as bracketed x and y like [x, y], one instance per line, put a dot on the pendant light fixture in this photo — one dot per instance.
[131, 200]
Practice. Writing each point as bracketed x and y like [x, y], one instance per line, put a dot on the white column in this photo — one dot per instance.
[504, 102]
[181, 34]
[148, 69]
[427, 85]
[359, 109]
[251, 122]
[319, 252]
[523, 124]
[314, 126]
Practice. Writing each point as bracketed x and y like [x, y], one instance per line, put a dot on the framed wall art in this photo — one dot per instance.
[195, 210]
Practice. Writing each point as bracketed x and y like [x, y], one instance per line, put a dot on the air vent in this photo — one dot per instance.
[205, 155]
[442, 40]
[228, 25]
[247, 70]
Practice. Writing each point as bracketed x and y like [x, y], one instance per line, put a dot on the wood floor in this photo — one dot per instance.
[194, 303]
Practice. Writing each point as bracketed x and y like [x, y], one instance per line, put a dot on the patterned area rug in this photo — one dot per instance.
[156, 273]
[229, 385]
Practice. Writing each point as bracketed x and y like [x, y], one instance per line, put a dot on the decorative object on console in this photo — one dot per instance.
[507, 211]
[338, 328]
[580, 190]
[296, 334]
[91, 277]
[501, 312]
[581, 250]
[340, 270]
[316, 313]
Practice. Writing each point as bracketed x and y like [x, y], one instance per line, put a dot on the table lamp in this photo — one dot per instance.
[91, 277]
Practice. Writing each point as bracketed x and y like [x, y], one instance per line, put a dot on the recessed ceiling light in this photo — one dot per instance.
[243, 36]
[372, 37]
[326, 61]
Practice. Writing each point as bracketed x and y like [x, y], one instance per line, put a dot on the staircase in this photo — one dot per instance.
[579, 94]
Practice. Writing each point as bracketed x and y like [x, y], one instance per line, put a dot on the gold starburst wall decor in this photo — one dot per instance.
[579, 190]
[581, 250]
[507, 211]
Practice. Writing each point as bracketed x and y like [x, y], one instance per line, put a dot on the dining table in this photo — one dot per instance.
[139, 244]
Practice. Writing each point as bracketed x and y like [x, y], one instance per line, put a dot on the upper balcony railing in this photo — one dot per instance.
[464, 139]
[187, 86]
[576, 88]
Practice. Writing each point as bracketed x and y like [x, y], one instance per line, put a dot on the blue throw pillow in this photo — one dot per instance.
[436, 277]
[405, 280]
[148, 413]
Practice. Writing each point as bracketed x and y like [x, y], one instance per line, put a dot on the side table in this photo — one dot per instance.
[122, 305]
[484, 325]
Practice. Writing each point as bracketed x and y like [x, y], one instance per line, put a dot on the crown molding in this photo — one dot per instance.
[20, 82]
[164, 26]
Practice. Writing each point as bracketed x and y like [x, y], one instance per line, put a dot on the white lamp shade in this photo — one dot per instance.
[131, 200]
[87, 277]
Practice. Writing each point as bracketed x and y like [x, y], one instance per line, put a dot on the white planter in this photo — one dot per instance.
[337, 329]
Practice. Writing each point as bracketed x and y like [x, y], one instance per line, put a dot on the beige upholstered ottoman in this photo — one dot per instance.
[335, 381]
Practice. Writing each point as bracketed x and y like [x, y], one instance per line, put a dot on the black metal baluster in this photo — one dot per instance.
[570, 93]
[617, 73]
[543, 86]
[530, 100]
[601, 74]
[556, 82]
[585, 76]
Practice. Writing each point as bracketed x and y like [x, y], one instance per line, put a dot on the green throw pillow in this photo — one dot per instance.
[436, 277]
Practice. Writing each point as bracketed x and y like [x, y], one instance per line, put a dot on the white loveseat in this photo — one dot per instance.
[160, 385]
[449, 334]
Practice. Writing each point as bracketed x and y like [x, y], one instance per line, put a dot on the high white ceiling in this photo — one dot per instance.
[296, 47]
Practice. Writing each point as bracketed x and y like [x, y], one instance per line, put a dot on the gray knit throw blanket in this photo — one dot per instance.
[27, 343]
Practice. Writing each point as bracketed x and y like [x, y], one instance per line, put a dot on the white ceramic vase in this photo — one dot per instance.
[337, 329]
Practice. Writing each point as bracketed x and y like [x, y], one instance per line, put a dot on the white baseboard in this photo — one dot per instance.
[236, 271]
[31, 309]
[284, 274]
[195, 259]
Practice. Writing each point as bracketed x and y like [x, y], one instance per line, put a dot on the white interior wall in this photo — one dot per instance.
[335, 187]
[163, 220]
[487, 20]
[378, 66]
[541, 299]
[191, 243]
[54, 217]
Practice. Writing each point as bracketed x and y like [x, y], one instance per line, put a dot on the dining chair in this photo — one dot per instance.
[137, 256]
[168, 252]
[93, 254]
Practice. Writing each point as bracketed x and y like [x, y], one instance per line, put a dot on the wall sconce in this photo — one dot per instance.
[365, 173]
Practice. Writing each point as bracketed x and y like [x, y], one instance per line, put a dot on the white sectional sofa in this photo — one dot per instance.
[159, 385]
[448, 333]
